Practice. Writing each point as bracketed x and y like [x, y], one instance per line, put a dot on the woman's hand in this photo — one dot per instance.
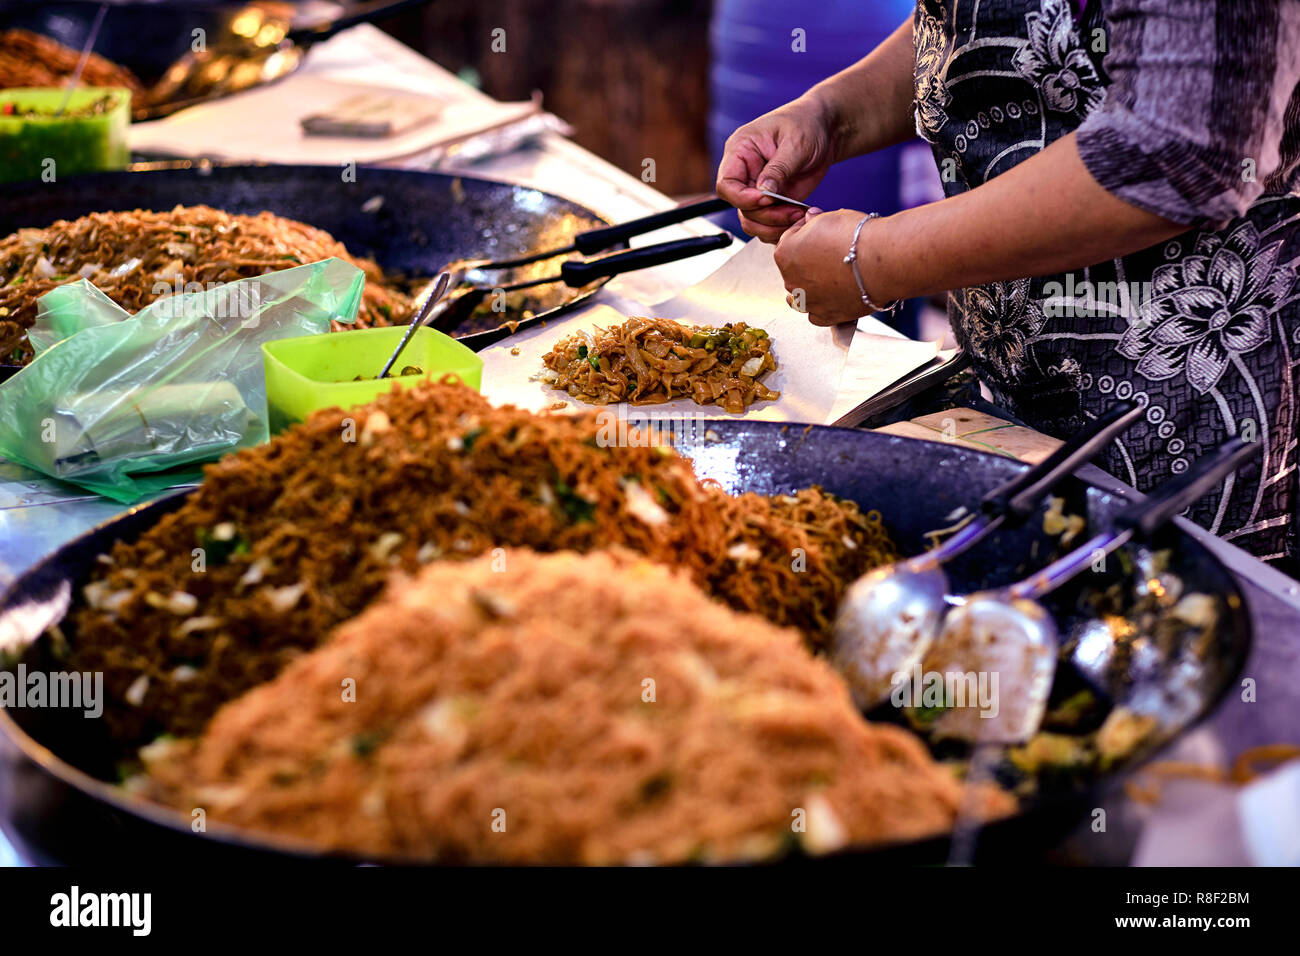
[863, 108]
[786, 151]
[811, 258]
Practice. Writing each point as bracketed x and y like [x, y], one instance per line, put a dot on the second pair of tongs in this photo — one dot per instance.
[575, 273]
[592, 241]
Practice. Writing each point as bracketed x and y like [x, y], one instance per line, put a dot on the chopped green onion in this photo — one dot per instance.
[219, 550]
[577, 508]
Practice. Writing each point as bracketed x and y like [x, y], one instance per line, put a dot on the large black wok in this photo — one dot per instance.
[411, 223]
[55, 810]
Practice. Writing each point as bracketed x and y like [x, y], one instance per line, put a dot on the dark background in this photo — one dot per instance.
[631, 76]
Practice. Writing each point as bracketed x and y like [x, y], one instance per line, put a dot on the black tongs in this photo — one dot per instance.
[575, 273]
[594, 240]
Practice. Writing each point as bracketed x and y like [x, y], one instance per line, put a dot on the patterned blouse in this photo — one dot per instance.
[1189, 109]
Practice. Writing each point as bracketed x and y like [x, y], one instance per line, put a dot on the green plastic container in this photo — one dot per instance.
[77, 141]
[311, 372]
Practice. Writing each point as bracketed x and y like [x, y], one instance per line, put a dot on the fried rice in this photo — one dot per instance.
[139, 256]
[284, 541]
[592, 709]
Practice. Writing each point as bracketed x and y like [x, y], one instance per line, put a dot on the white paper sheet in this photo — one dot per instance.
[876, 362]
[223, 130]
[811, 361]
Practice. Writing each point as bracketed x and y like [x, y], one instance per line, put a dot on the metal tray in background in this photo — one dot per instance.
[148, 37]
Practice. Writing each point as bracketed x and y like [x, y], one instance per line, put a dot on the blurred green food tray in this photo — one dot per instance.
[89, 136]
[319, 371]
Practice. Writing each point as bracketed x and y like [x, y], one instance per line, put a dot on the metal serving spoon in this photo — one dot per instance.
[889, 617]
[251, 47]
[439, 290]
[1008, 636]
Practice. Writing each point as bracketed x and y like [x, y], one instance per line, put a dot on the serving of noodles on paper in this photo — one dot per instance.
[650, 361]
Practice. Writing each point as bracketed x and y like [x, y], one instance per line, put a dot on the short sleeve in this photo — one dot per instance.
[1195, 115]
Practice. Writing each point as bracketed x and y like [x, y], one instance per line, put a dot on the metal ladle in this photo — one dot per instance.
[439, 290]
[890, 617]
[1009, 635]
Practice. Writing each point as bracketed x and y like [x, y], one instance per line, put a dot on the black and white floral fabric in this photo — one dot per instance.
[1203, 331]
[1210, 309]
[1055, 61]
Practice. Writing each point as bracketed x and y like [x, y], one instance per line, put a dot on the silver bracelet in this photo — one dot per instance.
[851, 260]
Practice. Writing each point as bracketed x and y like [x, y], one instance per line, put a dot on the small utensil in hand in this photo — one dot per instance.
[785, 199]
[439, 290]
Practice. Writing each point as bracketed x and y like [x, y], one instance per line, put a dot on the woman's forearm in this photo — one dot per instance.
[869, 104]
[1047, 215]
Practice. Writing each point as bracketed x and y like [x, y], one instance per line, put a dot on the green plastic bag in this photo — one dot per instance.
[67, 310]
[127, 405]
